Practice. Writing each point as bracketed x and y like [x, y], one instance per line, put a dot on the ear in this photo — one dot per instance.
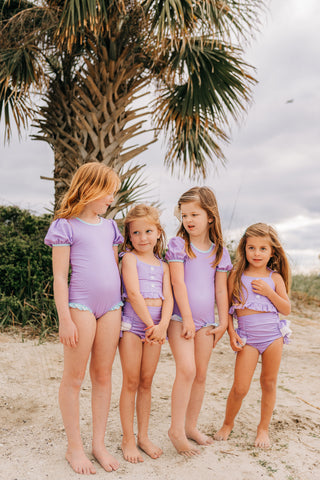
[210, 220]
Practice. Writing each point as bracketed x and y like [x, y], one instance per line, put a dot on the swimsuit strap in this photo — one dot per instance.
[271, 272]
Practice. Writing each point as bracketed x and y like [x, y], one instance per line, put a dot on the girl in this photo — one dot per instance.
[198, 266]
[258, 292]
[146, 314]
[89, 314]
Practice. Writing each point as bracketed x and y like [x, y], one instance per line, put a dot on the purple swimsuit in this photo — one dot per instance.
[199, 277]
[95, 281]
[150, 284]
[259, 330]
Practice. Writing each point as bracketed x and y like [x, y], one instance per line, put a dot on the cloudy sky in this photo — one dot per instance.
[273, 160]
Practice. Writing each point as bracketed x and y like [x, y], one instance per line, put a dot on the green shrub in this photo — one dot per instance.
[308, 284]
[26, 297]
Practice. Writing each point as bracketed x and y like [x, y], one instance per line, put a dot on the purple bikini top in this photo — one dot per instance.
[254, 301]
[150, 280]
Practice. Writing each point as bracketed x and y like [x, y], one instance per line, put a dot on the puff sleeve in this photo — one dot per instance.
[176, 250]
[225, 264]
[118, 238]
[59, 233]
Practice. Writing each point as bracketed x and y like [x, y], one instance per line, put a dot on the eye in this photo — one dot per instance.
[135, 232]
[150, 230]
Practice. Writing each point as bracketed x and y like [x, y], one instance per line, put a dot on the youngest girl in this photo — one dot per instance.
[258, 291]
[146, 315]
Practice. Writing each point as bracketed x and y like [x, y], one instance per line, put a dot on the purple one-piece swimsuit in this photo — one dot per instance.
[95, 281]
[199, 277]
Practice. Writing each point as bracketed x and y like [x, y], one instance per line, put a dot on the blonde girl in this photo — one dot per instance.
[198, 266]
[258, 292]
[89, 310]
[145, 318]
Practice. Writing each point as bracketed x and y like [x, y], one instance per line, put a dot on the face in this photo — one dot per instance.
[258, 251]
[195, 219]
[100, 205]
[143, 235]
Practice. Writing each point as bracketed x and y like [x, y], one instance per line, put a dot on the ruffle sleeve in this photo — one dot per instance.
[225, 264]
[176, 250]
[59, 233]
[118, 238]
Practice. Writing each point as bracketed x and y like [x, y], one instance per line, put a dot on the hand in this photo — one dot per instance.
[236, 341]
[188, 329]
[68, 333]
[261, 287]
[217, 333]
[157, 335]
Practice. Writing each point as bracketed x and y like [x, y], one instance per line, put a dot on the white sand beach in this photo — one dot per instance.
[32, 439]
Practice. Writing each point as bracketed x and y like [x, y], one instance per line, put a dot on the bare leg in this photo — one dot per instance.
[75, 362]
[149, 362]
[102, 357]
[271, 358]
[183, 352]
[246, 363]
[203, 348]
[130, 349]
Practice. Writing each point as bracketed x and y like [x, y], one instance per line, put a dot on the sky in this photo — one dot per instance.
[272, 173]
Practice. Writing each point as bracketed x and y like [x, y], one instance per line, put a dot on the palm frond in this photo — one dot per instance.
[170, 18]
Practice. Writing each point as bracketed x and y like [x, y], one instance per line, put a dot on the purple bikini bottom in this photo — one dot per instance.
[131, 322]
[259, 330]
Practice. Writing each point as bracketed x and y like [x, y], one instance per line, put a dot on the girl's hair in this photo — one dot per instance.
[91, 181]
[150, 214]
[278, 260]
[206, 199]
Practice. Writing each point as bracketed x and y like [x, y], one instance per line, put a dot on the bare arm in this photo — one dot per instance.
[181, 296]
[278, 297]
[131, 282]
[116, 254]
[221, 295]
[68, 332]
[235, 341]
[160, 330]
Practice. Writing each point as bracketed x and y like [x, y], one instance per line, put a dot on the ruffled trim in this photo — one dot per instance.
[285, 330]
[259, 307]
[116, 307]
[79, 306]
[146, 295]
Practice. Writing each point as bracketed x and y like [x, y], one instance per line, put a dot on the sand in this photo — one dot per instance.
[32, 438]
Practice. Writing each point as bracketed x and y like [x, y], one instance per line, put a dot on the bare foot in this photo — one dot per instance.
[80, 462]
[223, 433]
[149, 448]
[262, 439]
[107, 461]
[199, 437]
[130, 451]
[182, 445]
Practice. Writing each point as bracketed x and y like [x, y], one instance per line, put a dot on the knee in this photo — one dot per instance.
[131, 383]
[145, 382]
[268, 385]
[187, 373]
[201, 376]
[73, 381]
[99, 376]
[239, 391]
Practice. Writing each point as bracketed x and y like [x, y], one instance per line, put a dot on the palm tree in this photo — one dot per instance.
[80, 70]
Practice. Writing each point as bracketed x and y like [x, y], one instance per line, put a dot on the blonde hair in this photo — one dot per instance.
[152, 215]
[91, 181]
[206, 199]
[277, 262]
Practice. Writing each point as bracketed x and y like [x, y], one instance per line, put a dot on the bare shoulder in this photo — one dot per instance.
[276, 277]
[165, 267]
[129, 259]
